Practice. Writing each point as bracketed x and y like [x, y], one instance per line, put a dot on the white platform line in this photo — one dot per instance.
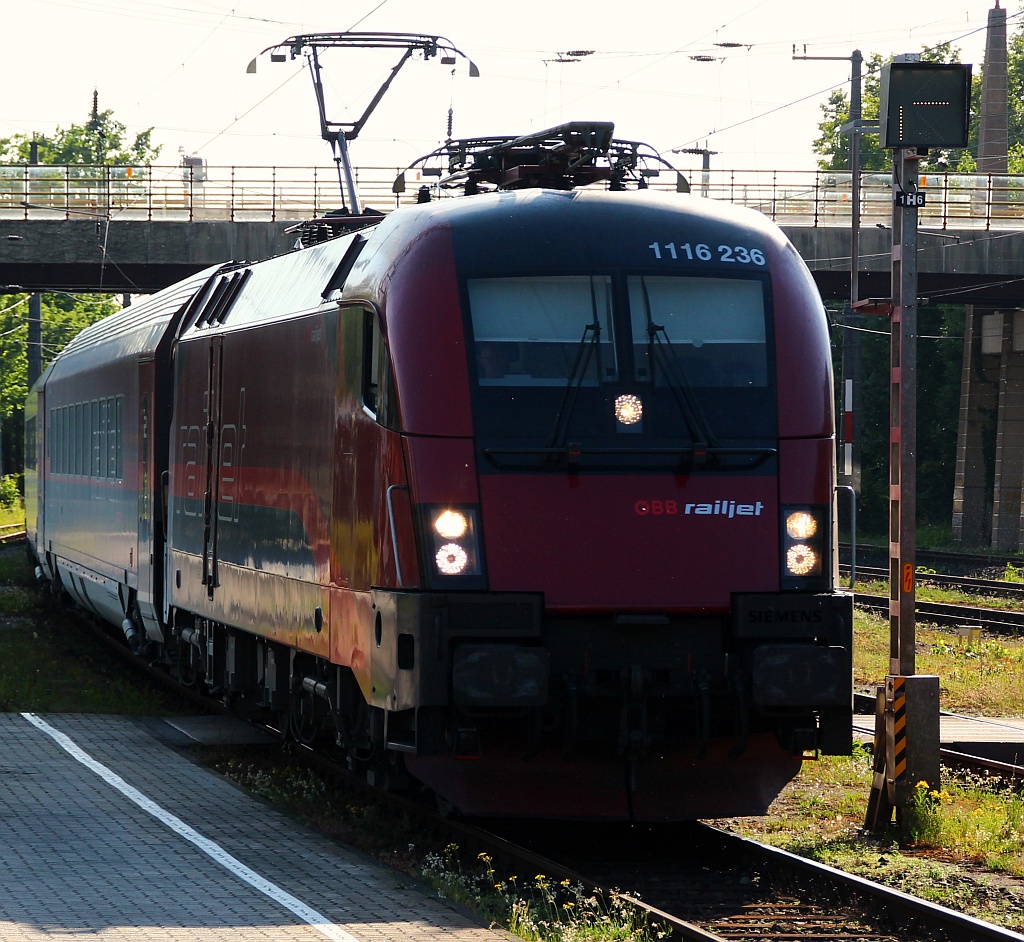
[211, 848]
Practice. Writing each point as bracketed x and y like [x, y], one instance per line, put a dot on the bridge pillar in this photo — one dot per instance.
[975, 449]
[1009, 457]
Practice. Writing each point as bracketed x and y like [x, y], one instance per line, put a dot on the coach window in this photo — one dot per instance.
[30, 444]
[80, 439]
[378, 385]
[96, 437]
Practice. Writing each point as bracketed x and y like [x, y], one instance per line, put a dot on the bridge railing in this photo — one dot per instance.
[253, 194]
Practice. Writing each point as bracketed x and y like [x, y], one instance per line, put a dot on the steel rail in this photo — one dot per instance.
[960, 926]
[993, 619]
[968, 583]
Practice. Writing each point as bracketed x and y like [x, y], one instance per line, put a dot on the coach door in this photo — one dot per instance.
[144, 548]
[211, 496]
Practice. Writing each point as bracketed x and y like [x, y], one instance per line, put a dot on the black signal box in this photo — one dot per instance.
[924, 104]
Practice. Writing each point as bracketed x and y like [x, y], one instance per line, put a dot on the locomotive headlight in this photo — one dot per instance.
[451, 546]
[804, 548]
[451, 559]
[450, 524]
[801, 525]
[801, 560]
[629, 409]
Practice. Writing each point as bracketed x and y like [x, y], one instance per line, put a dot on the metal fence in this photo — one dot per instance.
[254, 194]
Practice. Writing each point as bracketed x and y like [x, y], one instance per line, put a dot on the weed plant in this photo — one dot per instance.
[964, 847]
[983, 678]
[537, 909]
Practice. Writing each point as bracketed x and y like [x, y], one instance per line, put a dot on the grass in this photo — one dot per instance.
[966, 847]
[534, 909]
[983, 678]
[967, 853]
[48, 664]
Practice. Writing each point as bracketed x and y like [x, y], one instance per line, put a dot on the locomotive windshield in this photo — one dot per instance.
[629, 365]
[528, 331]
[712, 330]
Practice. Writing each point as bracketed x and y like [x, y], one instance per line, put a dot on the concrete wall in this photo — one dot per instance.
[138, 256]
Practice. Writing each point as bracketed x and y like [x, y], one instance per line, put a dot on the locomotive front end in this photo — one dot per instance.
[617, 422]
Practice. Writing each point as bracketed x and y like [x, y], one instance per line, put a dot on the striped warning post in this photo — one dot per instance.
[899, 728]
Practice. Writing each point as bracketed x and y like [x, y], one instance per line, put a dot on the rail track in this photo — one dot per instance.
[997, 621]
[11, 533]
[995, 587]
[696, 882]
[954, 563]
[1005, 621]
[727, 887]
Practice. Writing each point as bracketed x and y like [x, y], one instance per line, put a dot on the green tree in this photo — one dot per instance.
[939, 359]
[63, 316]
[101, 140]
[833, 147]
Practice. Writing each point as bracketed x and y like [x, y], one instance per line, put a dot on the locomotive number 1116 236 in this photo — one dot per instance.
[702, 252]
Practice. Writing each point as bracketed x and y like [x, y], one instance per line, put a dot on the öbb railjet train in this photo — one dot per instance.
[525, 496]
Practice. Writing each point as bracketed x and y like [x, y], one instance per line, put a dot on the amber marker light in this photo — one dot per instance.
[628, 409]
[450, 524]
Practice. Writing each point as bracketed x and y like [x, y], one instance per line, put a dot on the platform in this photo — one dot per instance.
[998, 738]
[108, 831]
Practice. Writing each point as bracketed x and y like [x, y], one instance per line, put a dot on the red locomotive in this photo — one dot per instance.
[528, 494]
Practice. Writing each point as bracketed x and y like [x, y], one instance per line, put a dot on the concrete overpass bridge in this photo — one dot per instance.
[122, 229]
[117, 229]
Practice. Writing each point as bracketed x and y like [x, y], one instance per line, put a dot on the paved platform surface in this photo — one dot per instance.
[108, 833]
[996, 737]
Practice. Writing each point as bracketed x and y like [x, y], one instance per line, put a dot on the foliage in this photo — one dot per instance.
[63, 316]
[1013, 573]
[101, 140]
[10, 495]
[833, 147]
[939, 363]
[538, 909]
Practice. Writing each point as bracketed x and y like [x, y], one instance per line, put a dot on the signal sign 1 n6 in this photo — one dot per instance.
[924, 104]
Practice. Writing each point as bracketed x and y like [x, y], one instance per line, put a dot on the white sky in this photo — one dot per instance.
[179, 66]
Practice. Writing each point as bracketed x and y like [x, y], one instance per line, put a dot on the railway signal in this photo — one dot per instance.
[923, 104]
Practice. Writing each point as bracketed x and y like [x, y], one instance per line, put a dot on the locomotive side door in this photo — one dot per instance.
[211, 496]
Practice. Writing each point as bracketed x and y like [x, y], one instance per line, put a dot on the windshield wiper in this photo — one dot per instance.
[584, 353]
[660, 346]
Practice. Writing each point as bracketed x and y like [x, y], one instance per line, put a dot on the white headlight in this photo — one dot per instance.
[450, 524]
[801, 560]
[451, 559]
[801, 525]
[629, 409]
